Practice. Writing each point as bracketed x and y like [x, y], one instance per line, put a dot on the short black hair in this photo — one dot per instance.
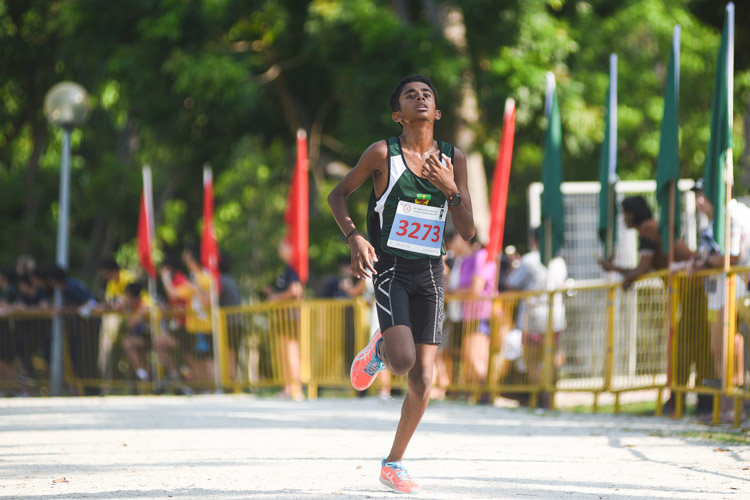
[109, 265]
[409, 79]
[57, 273]
[134, 289]
[638, 208]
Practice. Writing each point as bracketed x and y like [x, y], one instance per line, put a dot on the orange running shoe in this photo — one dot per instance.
[367, 364]
[393, 475]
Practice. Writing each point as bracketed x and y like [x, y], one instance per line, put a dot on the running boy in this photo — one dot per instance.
[416, 181]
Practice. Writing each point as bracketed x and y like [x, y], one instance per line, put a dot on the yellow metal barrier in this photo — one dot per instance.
[517, 344]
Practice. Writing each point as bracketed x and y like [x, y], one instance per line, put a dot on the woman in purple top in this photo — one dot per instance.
[472, 281]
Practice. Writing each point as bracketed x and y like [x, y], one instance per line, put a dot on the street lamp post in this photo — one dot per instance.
[65, 105]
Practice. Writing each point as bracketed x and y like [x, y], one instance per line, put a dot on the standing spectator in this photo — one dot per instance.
[472, 282]
[34, 332]
[8, 290]
[134, 345]
[82, 330]
[533, 312]
[8, 342]
[692, 328]
[289, 287]
[710, 256]
[229, 296]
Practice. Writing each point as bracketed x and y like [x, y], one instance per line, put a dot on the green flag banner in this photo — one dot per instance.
[721, 132]
[552, 231]
[668, 162]
[608, 167]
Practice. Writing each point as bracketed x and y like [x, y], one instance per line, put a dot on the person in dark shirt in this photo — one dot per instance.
[289, 287]
[229, 296]
[81, 328]
[693, 329]
[637, 215]
[75, 293]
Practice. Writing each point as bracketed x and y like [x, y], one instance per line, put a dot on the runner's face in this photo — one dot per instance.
[417, 102]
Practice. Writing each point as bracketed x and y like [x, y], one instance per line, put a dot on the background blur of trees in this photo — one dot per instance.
[179, 83]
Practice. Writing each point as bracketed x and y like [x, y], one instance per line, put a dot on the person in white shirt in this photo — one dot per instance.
[709, 256]
[533, 312]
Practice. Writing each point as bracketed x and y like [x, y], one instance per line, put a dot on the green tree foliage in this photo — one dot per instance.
[177, 84]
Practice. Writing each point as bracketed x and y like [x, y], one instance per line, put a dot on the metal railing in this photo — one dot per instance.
[666, 332]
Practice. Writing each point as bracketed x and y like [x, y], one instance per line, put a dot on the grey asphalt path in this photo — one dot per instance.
[236, 447]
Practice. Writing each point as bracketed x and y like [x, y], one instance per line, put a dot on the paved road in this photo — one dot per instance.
[237, 447]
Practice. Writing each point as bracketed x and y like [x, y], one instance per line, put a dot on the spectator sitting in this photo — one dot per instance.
[116, 280]
[195, 294]
[175, 334]
[136, 311]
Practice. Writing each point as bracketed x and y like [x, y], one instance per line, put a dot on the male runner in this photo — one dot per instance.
[416, 181]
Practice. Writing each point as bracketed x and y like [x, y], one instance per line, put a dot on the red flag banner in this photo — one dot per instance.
[146, 226]
[209, 246]
[296, 216]
[499, 195]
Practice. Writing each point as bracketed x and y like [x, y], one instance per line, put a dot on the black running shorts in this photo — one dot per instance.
[410, 293]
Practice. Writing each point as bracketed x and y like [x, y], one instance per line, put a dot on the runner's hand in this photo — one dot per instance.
[363, 257]
[439, 174]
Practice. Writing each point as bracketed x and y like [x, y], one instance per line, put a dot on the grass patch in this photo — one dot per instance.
[738, 438]
[637, 408]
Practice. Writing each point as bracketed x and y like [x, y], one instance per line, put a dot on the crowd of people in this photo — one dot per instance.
[120, 318]
[701, 319]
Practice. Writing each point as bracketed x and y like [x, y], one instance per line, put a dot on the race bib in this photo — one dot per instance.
[418, 228]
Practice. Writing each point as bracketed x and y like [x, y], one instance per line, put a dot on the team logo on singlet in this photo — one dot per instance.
[423, 199]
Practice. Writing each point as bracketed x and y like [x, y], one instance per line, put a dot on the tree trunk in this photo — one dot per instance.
[454, 31]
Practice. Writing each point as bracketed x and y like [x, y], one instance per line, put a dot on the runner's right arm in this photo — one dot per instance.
[373, 163]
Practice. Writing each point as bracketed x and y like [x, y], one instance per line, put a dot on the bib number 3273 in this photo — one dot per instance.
[418, 228]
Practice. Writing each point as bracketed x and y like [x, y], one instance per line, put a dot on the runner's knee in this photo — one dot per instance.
[400, 361]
